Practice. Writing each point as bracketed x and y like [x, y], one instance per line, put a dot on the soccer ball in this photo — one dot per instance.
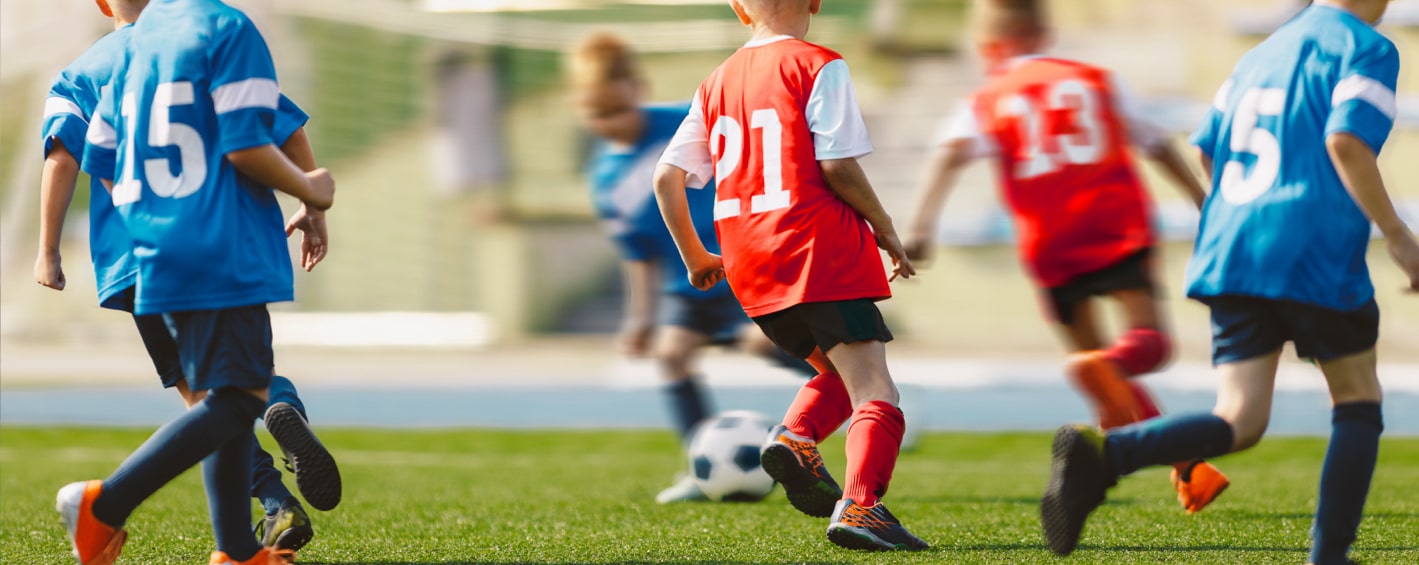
[724, 457]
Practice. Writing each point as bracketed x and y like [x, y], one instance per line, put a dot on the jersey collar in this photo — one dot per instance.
[766, 41]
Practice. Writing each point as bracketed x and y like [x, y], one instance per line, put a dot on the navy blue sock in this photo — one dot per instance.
[266, 485]
[1345, 479]
[687, 406]
[283, 390]
[175, 448]
[1165, 440]
[226, 474]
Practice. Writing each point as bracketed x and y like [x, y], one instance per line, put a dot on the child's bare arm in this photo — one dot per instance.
[846, 178]
[315, 237]
[946, 166]
[1359, 169]
[1178, 170]
[61, 172]
[705, 268]
[268, 166]
[638, 324]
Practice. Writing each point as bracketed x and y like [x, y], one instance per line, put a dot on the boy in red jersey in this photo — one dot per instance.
[1059, 131]
[778, 129]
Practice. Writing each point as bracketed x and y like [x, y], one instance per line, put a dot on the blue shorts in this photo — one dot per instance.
[161, 348]
[1245, 327]
[224, 348]
[720, 317]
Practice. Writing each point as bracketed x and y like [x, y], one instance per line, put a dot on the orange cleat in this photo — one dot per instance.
[267, 556]
[1107, 387]
[1198, 484]
[95, 543]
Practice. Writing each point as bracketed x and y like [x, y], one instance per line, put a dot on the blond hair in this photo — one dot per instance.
[1011, 19]
[603, 58]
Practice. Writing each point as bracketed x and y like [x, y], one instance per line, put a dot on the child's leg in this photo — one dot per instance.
[1145, 345]
[822, 404]
[875, 435]
[1350, 460]
[677, 350]
[227, 477]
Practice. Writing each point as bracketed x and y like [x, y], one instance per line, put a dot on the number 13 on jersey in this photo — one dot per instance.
[727, 129]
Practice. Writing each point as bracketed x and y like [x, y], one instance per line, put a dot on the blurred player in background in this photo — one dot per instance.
[631, 135]
[778, 129]
[1060, 131]
[71, 101]
[1291, 142]
[194, 98]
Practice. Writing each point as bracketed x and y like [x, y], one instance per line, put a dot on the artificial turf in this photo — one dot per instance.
[486, 496]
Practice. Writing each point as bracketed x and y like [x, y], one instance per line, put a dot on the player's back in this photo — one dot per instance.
[623, 193]
[786, 237]
[199, 84]
[1279, 223]
[1064, 165]
[72, 99]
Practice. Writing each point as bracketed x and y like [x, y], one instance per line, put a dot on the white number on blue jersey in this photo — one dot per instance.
[162, 132]
[1236, 185]
[1075, 151]
[774, 196]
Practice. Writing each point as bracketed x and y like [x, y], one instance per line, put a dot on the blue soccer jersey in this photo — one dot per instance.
[622, 191]
[67, 109]
[1279, 223]
[204, 238]
[72, 99]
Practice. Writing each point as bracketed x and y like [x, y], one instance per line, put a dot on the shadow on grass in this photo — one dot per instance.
[1221, 547]
[1250, 515]
[1002, 500]
[456, 562]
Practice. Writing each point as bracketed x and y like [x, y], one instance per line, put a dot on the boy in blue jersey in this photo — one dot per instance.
[610, 93]
[193, 99]
[1291, 141]
[72, 99]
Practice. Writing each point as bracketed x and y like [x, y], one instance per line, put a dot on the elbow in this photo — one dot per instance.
[667, 179]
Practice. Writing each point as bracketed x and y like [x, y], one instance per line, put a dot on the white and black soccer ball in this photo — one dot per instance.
[724, 457]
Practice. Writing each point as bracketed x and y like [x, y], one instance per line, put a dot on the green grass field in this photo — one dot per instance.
[471, 496]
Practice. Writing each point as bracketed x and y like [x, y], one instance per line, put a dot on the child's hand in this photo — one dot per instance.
[901, 263]
[49, 271]
[1405, 252]
[918, 248]
[706, 271]
[315, 239]
[322, 188]
[635, 339]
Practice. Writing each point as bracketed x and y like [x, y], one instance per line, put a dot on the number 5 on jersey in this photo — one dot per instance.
[162, 132]
[774, 196]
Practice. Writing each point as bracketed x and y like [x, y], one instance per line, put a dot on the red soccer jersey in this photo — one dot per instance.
[1064, 164]
[785, 237]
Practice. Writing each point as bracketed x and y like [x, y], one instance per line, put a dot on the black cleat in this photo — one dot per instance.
[317, 476]
[1078, 481]
[289, 529]
[795, 463]
[870, 529]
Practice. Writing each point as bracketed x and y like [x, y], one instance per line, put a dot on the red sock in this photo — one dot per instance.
[1145, 401]
[820, 408]
[872, 443]
[1140, 351]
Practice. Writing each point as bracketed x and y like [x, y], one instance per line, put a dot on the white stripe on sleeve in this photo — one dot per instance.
[689, 148]
[1219, 102]
[58, 105]
[101, 134]
[1142, 130]
[249, 93]
[1358, 87]
[834, 116]
[963, 125]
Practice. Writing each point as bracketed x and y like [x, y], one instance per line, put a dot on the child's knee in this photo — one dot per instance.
[1247, 428]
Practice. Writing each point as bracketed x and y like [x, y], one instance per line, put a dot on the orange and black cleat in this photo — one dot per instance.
[1105, 385]
[267, 556]
[794, 462]
[871, 528]
[1198, 484]
[95, 543]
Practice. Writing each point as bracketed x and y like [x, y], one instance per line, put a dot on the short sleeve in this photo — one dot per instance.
[834, 116]
[64, 119]
[689, 150]
[1205, 136]
[100, 153]
[244, 92]
[289, 119]
[1142, 130]
[1363, 102]
[962, 125]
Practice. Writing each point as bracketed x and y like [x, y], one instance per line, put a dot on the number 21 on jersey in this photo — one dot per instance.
[1041, 155]
[162, 132]
[767, 123]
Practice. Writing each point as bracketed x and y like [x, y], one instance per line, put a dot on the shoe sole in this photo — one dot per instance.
[1064, 525]
[317, 476]
[849, 537]
[806, 492]
[294, 538]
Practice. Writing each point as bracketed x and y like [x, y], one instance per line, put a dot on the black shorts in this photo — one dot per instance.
[798, 330]
[224, 348]
[1132, 273]
[1245, 327]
